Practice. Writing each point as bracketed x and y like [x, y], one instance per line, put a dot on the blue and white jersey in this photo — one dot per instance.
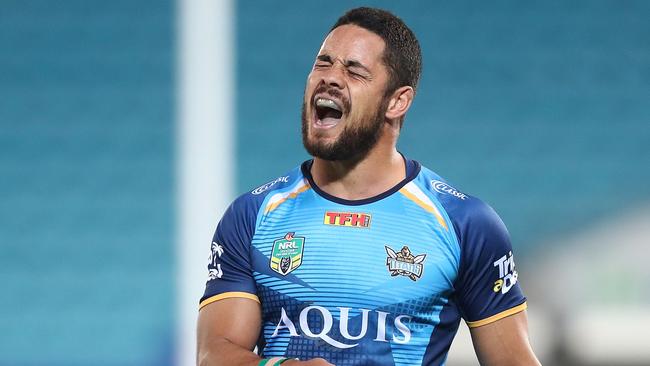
[379, 281]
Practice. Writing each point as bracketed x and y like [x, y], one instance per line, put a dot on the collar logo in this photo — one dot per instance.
[264, 187]
[404, 263]
[286, 255]
[347, 219]
[444, 188]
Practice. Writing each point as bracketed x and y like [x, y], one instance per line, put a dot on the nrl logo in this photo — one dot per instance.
[404, 263]
[286, 254]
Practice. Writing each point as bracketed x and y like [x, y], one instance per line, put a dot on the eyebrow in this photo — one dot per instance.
[347, 63]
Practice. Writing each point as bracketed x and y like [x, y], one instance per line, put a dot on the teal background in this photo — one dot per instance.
[539, 108]
[86, 217]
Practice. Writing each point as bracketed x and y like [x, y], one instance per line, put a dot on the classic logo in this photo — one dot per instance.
[264, 187]
[405, 263]
[214, 268]
[346, 219]
[286, 254]
[507, 274]
[444, 188]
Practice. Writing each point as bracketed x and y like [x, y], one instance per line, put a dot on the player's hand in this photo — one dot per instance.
[312, 362]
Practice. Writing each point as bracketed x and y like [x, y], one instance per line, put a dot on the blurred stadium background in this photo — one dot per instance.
[126, 126]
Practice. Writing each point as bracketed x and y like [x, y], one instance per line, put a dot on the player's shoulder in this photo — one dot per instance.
[466, 211]
[253, 199]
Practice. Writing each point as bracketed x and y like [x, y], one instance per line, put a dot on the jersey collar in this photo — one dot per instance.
[412, 170]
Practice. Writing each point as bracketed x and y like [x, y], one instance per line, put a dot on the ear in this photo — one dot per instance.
[400, 102]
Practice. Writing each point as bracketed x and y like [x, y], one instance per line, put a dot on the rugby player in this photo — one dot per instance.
[360, 256]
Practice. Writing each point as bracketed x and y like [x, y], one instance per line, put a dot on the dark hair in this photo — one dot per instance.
[402, 53]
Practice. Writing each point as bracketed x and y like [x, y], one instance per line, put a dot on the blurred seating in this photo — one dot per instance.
[86, 158]
[539, 109]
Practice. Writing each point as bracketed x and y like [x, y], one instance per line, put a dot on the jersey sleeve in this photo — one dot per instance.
[229, 265]
[487, 286]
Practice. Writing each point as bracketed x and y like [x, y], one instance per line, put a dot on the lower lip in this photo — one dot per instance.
[325, 125]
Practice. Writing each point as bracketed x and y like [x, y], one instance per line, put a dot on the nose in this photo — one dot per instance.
[334, 76]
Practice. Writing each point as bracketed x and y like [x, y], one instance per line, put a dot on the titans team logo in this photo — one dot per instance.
[286, 254]
[405, 263]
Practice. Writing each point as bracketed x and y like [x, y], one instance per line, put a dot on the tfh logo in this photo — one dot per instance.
[347, 219]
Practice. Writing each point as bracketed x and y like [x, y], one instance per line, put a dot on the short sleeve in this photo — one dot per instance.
[487, 286]
[229, 266]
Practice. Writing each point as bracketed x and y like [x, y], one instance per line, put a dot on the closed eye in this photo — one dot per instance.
[323, 60]
[354, 68]
[357, 74]
[358, 69]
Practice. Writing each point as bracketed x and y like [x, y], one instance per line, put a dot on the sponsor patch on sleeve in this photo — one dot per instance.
[444, 188]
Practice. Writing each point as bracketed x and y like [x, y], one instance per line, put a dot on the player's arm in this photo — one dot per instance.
[489, 293]
[227, 332]
[230, 319]
[504, 342]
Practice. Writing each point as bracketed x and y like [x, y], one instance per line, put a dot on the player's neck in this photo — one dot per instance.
[376, 173]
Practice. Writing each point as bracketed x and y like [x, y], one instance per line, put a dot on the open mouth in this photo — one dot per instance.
[328, 112]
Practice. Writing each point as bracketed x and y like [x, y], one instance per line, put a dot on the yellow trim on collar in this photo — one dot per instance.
[425, 206]
[291, 195]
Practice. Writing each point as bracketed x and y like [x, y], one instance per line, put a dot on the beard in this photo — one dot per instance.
[353, 143]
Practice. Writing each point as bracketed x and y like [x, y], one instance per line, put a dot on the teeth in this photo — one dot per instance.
[327, 103]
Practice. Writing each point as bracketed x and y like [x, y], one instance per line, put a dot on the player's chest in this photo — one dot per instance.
[367, 254]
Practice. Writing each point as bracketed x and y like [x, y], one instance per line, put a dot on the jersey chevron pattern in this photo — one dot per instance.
[380, 281]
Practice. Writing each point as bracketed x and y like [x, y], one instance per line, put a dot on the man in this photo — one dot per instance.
[360, 256]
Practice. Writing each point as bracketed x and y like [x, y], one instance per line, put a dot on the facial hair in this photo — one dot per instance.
[353, 143]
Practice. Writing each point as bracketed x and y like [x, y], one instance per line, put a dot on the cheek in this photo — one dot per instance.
[365, 103]
[310, 86]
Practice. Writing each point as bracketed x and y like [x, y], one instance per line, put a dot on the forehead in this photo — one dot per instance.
[351, 42]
